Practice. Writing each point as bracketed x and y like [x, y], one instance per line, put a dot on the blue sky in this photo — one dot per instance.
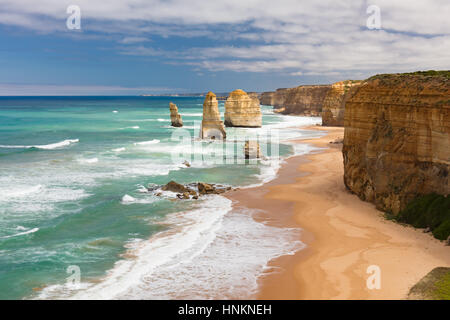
[152, 46]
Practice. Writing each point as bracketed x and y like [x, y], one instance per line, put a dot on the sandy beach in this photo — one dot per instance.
[344, 235]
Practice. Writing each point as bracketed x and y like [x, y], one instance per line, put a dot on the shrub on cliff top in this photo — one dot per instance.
[428, 73]
[428, 211]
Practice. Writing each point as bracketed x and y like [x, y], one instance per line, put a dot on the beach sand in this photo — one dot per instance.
[344, 235]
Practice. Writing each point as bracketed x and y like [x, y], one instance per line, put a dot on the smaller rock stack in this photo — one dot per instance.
[252, 150]
[212, 126]
[175, 117]
[242, 110]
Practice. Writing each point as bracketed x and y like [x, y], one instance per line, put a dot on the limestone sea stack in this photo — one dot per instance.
[334, 103]
[175, 117]
[252, 150]
[212, 126]
[242, 110]
[397, 138]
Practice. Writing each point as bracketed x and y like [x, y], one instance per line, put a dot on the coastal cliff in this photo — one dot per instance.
[242, 110]
[397, 138]
[301, 100]
[212, 126]
[175, 117]
[334, 104]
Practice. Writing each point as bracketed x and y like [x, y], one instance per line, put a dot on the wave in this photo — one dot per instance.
[119, 149]
[209, 252]
[51, 146]
[133, 127]
[144, 143]
[92, 160]
[20, 192]
[21, 233]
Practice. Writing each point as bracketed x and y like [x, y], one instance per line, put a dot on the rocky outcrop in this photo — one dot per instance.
[266, 98]
[397, 138]
[212, 126]
[252, 150]
[301, 100]
[175, 117]
[242, 110]
[334, 104]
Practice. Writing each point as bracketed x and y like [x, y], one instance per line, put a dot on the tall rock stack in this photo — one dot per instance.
[334, 103]
[175, 117]
[397, 138]
[212, 126]
[242, 110]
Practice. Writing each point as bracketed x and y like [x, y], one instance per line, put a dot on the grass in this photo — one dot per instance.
[434, 286]
[442, 291]
[428, 73]
[428, 211]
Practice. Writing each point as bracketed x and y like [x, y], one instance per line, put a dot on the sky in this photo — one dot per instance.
[129, 47]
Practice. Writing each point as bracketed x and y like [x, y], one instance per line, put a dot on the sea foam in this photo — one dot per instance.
[51, 146]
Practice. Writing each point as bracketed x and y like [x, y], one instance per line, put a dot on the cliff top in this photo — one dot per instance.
[429, 73]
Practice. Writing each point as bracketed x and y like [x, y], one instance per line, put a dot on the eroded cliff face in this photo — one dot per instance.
[212, 126]
[175, 117]
[301, 100]
[242, 110]
[334, 103]
[397, 139]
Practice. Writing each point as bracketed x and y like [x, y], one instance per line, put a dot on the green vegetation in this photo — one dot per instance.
[428, 211]
[429, 73]
[434, 286]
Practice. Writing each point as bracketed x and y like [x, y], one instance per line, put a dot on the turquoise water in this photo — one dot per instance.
[72, 177]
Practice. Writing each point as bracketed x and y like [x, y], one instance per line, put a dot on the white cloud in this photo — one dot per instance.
[290, 36]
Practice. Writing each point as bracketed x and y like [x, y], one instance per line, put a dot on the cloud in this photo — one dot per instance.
[129, 40]
[288, 36]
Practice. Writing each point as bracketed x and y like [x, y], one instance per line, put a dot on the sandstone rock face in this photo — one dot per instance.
[175, 117]
[252, 150]
[212, 126]
[266, 98]
[242, 110]
[397, 139]
[302, 100]
[334, 104]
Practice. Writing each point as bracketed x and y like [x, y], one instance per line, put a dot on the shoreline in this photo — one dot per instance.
[343, 234]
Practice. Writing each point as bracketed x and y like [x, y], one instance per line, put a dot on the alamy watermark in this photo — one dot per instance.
[73, 22]
[374, 20]
[239, 147]
[373, 282]
[73, 280]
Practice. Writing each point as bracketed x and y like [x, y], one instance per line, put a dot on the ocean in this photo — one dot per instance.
[77, 220]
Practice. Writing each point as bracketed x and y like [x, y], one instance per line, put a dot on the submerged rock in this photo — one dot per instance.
[242, 110]
[175, 117]
[212, 126]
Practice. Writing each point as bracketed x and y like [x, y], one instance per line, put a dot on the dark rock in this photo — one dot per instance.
[204, 188]
[175, 187]
[187, 164]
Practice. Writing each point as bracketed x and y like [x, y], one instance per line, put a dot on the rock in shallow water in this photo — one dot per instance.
[175, 117]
